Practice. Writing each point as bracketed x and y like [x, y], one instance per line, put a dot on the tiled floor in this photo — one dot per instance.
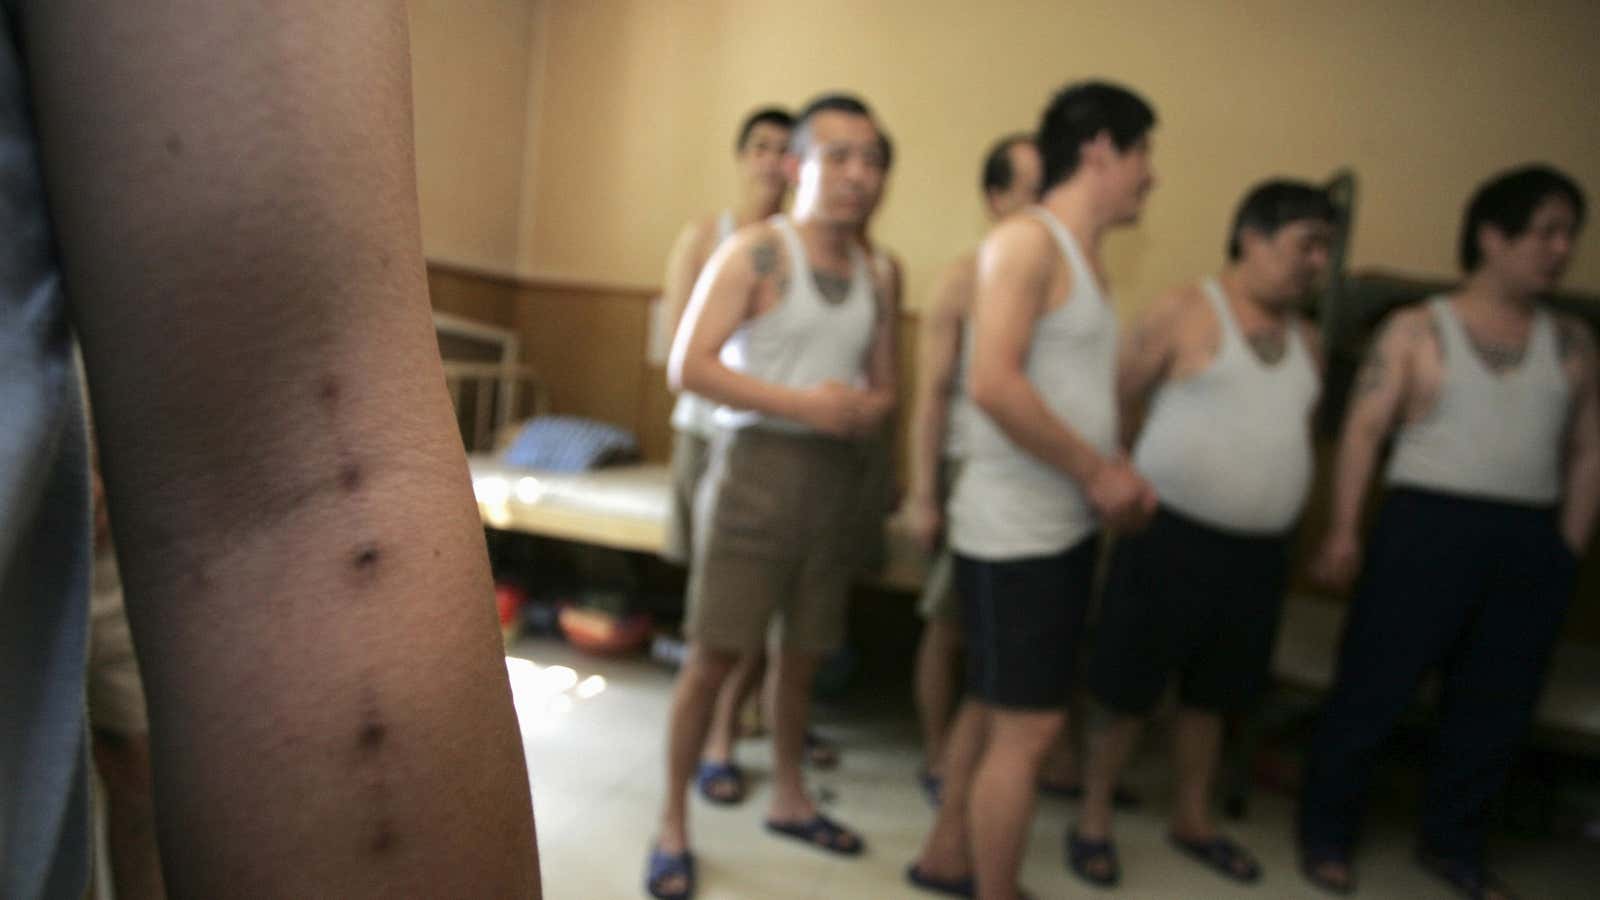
[596, 766]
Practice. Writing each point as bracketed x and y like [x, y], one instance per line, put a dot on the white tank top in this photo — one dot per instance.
[1497, 437]
[1231, 445]
[957, 406]
[692, 413]
[804, 341]
[1007, 503]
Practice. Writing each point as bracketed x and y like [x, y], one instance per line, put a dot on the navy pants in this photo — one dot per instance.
[1477, 590]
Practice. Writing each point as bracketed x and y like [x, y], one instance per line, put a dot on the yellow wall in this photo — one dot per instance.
[470, 83]
[632, 104]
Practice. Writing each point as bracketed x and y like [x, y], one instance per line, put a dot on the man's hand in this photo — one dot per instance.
[836, 409]
[1337, 561]
[924, 520]
[1120, 495]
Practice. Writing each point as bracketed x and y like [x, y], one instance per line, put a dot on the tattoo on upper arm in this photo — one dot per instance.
[764, 258]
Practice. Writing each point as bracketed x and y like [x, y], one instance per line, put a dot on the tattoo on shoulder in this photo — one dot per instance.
[764, 258]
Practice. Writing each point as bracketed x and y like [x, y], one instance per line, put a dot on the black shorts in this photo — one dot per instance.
[1023, 621]
[1186, 598]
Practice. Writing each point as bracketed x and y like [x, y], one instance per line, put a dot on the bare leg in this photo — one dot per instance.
[1003, 794]
[731, 698]
[1196, 747]
[1109, 749]
[791, 709]
[946, 853]
[937, 658]
[1060, 768]
[692, 700]
[123, 762]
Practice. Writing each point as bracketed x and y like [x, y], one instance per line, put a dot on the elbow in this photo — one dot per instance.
[692, 374]
[987, 391]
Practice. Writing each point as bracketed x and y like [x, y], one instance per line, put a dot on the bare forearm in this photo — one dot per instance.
[928, 430]
[1358, 453]
[709, 378]
[305, 574]
[1583, 500]
[1016, 407]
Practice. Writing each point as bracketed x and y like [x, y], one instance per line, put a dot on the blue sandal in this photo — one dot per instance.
[949, 887]
[664, 866]
[1223, 855]
[726, 774]
[822, 833]
[1082, 851]
[1312, 862]
[1470, 880]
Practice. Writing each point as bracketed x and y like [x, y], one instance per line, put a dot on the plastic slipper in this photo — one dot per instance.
[1312, 861]
[1223, 855]
[712, 774]
[1469, 879]
[949, 887]
[822, 833]
[1081, 852]
[666, 866]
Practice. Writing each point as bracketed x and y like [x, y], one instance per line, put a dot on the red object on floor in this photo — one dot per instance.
[508, 602]
[593, 631]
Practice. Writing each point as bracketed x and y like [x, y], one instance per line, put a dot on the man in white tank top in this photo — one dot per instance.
[787, 333]
[1230, 375]
[1042, 477]
[758, 153]
[1009, 181]
[720, 779]
[759, 147]
[1493, 486]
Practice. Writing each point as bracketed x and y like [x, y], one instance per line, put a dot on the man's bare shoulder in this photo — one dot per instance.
[1018, 240]
[756, 248]
[1182, 303]
[1407, 326]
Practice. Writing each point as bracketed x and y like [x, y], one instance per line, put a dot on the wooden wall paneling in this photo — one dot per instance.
[473, 295]
[587, 344]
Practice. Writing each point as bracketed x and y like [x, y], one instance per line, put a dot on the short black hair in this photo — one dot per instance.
[1507, 202]
[845, 103]
[1079, 112]
[766, 115]
[885, 147]
[1273, 204]
[997, 169]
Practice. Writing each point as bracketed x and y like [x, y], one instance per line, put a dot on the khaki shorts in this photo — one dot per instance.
[690, 453]
[774, 529]
[876, 503]
[116, 694]
[939, 599]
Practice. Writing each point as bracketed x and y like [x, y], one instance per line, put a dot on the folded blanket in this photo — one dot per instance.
[570, 444]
